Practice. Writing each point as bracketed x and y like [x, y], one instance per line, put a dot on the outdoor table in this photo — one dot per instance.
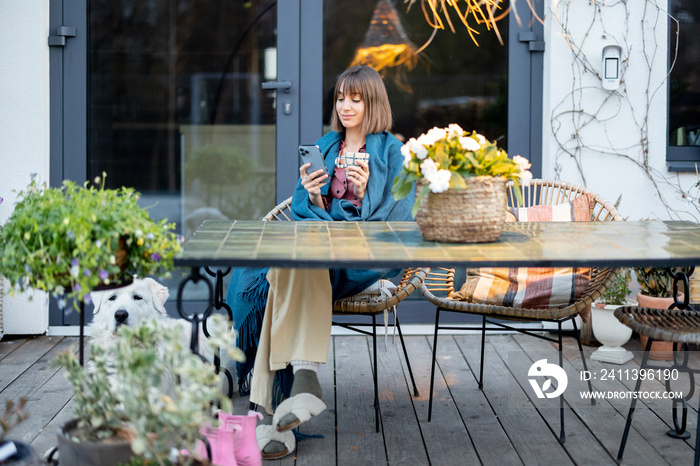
[314, 244]
[307, 244]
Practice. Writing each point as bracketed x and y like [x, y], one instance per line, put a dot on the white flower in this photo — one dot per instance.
[454, 131]
[481, 139]
[525, 177]
[431, 137]
[468, 143]
[428, 168]
[440, 181]
[407, 156]
[421, 151]
[522, 162]
[413, 146]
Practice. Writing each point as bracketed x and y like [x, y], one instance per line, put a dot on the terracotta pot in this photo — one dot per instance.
[107, 453]
[660, 350]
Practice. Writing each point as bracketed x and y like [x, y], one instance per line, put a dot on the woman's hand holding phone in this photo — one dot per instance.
[359, 175]
[313, 182]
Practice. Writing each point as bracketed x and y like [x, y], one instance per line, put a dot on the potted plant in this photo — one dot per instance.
[12, 452]
[460, 177]
[144, 397]
[74, 239]
[656, 292]
[606, 328]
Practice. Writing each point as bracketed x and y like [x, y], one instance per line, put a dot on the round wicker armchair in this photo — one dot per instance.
[439, 286]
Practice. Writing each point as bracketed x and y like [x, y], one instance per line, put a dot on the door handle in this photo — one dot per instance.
[278, 85]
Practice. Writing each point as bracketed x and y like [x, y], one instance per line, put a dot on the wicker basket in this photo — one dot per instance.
[472, 215]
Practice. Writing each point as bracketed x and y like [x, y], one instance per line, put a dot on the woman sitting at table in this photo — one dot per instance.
[298, 303]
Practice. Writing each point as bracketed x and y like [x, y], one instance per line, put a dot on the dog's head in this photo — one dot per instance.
[129, 305]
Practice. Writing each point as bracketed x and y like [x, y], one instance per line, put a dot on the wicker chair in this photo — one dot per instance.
[441, 281]
[370, 306]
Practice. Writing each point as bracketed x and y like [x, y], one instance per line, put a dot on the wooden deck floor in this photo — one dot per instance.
[497, 425]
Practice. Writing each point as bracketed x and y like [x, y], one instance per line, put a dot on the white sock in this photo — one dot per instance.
[308, 365]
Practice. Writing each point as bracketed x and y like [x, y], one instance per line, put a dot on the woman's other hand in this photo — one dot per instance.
[313, 183]
[359, 175]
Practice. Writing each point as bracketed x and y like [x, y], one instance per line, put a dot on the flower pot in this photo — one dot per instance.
[106, 453]
[660, 350]
[611, 333]
[472, 215]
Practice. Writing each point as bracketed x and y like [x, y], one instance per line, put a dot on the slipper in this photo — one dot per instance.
[302, 406]
[266, 434]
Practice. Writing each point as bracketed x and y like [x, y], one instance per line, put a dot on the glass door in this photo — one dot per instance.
[176, 108]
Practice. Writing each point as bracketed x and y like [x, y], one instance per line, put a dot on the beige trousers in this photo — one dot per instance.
[296, 326]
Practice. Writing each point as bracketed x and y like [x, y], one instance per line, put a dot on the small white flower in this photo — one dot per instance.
[481, 139]
[454, 131]
[75, 271]
[407, 159]
[468, 143]
[421, 151]
[440, 181]
[525, 177]
[435, 134]
[428, 168]
[522, 162]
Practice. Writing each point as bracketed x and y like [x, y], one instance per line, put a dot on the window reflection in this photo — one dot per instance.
[453, 80]
[175, 105]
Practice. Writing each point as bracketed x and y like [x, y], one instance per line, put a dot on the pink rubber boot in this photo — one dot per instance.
[221, 441]
[245, 446]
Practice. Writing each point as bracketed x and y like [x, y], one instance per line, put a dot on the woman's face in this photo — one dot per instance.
[350, 108]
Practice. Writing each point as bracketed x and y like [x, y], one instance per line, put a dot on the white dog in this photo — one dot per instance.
[129, 305]
[143, 299]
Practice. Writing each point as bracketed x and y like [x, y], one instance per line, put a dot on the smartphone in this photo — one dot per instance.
[312, 154]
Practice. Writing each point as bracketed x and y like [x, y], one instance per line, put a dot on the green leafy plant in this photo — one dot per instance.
[444, 157]
[96, 403]
[147, 382]
[619, 289]
[656, 281]
[72, 239]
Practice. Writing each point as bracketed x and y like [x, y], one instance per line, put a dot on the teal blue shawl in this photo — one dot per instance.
[248, 287]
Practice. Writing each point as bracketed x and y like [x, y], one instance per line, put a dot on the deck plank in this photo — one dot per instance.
[602, 421]
[8, 345]
[525, 428]
[652, 417]
[492, 444]
[496, 425]
[317, 451]
[39, 383]
[357, 441]
[402, 435]
[22, 358]
[447, 427]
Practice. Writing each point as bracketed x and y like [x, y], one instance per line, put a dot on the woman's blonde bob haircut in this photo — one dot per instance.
[366, 82]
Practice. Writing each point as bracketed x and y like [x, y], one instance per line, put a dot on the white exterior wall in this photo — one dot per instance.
[611, 124]
[24, 131]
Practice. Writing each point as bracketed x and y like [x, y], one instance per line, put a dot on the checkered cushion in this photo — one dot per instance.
[532, 287]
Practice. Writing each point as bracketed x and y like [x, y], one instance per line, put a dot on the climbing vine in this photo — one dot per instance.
[586, 119]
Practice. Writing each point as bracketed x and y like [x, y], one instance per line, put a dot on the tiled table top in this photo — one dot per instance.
[391, 244]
